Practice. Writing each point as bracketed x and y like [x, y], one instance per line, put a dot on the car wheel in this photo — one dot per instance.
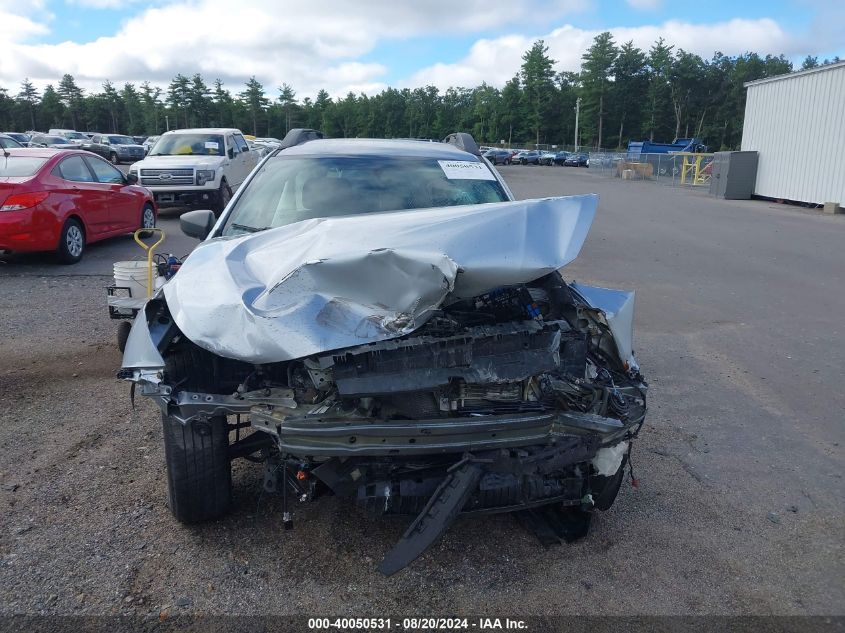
[199, 473]
[71, 242]
[113, 159]
[148, 219]
[523, 162]
[507, 161]
[224, 194]
[123, 329]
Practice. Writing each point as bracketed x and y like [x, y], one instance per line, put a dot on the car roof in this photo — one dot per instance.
[378, 147]
[206, 130]
[44, 152]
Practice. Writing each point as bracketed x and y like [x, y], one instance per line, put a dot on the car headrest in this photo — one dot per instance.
[331, 196]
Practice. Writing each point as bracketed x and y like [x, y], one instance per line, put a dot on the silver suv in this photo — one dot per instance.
[118, 148]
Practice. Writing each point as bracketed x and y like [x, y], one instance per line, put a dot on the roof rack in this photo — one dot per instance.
[463, 141]
[300, 135]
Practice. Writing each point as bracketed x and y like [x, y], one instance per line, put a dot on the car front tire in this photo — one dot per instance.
[71, 242]
[224, 194]
[199, 473]
[113, 158]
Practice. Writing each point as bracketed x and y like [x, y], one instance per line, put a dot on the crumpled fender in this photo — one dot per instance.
[618, 308]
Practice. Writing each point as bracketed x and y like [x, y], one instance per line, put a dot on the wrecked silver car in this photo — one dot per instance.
[381, 320]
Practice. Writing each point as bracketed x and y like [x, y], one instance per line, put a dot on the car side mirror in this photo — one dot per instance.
[197, 224]
[131, 178]
[231, 153]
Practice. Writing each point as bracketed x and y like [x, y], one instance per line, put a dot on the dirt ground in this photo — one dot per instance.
[740, 503]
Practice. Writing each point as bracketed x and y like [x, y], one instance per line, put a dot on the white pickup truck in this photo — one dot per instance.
[196, 167]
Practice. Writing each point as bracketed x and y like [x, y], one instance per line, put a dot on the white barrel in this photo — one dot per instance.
[133, 275]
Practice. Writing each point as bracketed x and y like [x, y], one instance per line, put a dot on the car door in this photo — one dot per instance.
[79, 185]
[96, 146]
[248, 159]
[123, 203]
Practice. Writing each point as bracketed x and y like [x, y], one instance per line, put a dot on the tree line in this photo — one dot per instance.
[622, 93]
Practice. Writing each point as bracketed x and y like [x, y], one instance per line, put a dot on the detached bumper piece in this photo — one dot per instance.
[492, 481]
[439, 513]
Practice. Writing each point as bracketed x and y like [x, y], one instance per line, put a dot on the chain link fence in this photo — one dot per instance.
[545, 147]
[678, 169]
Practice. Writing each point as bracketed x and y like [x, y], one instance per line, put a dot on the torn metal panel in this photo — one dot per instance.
[618, 308]
[329, 283]
[147, 333]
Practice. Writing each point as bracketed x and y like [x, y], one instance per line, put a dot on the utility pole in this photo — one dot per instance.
[577, 114]
[167, 121]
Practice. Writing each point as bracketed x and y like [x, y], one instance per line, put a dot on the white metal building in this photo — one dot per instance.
[797, 124]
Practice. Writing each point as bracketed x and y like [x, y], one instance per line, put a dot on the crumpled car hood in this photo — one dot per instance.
[329, 283]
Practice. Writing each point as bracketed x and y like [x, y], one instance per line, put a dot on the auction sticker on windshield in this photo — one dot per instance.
[465, 170]
[211, 145]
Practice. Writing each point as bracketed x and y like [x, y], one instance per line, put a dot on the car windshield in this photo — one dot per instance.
[287, 190]
[72, 135]
[20, 166]
[58, 140]
[189, 145]
[8, 141]
[121, 140]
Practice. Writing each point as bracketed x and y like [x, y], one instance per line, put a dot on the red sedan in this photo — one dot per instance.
[62, 200]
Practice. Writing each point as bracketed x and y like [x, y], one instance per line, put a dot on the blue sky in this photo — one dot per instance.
[365, 45]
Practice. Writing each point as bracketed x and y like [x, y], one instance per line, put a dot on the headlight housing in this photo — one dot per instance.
[204, 176]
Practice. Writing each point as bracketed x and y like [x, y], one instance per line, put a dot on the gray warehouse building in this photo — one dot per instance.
[796, 123]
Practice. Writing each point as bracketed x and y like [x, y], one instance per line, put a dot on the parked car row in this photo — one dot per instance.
[499, 156]
[117, 148]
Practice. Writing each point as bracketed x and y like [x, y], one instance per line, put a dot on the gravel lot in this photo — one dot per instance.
[740, 503]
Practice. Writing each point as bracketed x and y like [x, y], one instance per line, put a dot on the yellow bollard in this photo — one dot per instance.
[150, 254]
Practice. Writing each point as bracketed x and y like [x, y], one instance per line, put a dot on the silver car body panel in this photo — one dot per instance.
[329, 283]
[618, 308]
[141, 351]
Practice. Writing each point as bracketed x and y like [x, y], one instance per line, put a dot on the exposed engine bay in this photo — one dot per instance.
[514, 400]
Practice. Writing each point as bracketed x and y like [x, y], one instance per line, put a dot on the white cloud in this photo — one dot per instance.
[645, 5]
[309, 45]
[20, 21]
[497, 60]
[16, 28]
[100, 4]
